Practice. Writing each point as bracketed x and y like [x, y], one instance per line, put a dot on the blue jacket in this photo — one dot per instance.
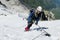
[33, 17]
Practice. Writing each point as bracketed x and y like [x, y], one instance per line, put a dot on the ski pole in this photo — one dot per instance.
[47, 34]
[39, 27]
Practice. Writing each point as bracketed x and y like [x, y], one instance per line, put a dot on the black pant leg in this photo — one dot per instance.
[30, 24]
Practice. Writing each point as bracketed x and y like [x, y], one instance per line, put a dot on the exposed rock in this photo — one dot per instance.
[49, 15]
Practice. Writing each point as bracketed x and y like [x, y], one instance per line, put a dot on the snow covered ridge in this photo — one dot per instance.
[15, 5]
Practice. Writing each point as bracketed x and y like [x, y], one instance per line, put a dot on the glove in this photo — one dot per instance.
[36, 23]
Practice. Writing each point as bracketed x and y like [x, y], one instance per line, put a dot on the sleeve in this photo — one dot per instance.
[43, 16]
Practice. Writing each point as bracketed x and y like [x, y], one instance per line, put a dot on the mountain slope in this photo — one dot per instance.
[12, 28]
[15, 6]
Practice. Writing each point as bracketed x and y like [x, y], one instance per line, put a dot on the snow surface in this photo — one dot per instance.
[15, 7]
[13, 23]
[12, 28]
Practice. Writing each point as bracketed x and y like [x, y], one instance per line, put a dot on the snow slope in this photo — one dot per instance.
[15, 7]
[12, 28]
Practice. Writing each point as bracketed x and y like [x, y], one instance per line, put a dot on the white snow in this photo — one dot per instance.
[12, 28]
[15, 7]
[13, 23]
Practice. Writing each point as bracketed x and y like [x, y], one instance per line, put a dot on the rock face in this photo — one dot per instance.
[15, 5]
[50, 16]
